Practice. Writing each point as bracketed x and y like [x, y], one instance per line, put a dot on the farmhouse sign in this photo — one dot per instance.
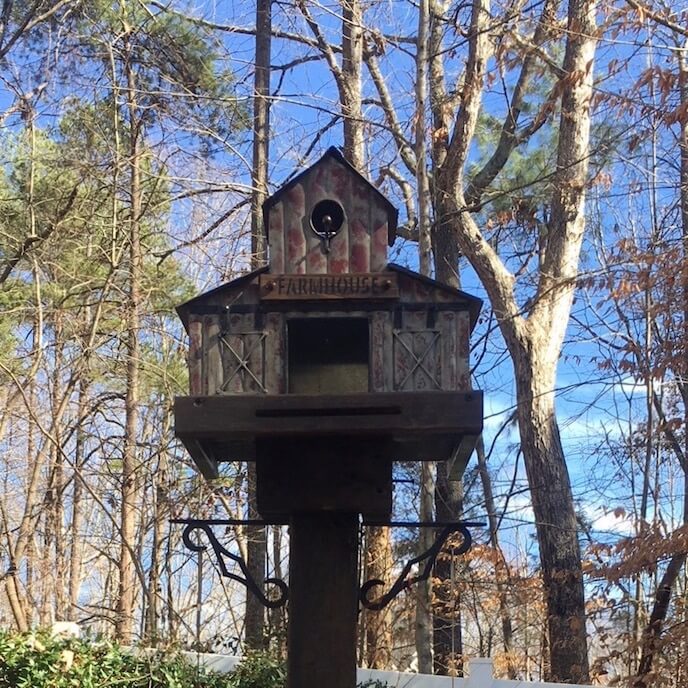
[307, 287]
[325, 367]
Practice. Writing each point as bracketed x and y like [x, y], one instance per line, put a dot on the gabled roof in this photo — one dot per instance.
[474, 303]
[183, 309]
[336, 154]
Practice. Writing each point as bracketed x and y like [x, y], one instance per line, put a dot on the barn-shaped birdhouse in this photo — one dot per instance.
[329, 357]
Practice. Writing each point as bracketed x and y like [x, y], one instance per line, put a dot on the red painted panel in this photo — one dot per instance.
[360, 247]
[276, 234]
[294, 210]
[316, 260]
[378, 253]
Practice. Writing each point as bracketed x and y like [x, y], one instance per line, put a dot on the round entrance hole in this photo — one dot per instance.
[327, 218]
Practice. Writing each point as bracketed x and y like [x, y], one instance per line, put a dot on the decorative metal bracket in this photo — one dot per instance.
[222, 553]
[404, 581]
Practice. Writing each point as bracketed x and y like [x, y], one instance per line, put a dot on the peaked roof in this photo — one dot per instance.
[474, 303]
[183, 309]
[336, 154]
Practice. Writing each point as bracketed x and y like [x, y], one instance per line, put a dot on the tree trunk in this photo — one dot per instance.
[350, 81]
[261, 130]
[124, 623]
[653, 631]
[378, 629]
[423, 626]
[501, 568]
[446, 603]
[422, 182]
[76, 520]
[55, 503]
[277, 617]
[256, 545]
[160, 518]
[535, 343]
[555, 517]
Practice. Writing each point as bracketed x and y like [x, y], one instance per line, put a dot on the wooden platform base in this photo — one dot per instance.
[416, 426]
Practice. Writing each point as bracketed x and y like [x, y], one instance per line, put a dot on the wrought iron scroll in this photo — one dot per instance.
[222, 554]
[405, 581]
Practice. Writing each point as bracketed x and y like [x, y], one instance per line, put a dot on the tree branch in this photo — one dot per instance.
[508, 139]
[644, 10]
[403, 145]
[31, 240]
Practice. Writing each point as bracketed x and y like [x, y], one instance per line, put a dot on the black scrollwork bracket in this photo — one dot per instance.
[405, 581]
[222, 554]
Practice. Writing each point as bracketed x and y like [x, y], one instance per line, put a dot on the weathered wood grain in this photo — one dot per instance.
[195, 356]
[276, 234]
[254, 349]
[381, 347]
[315, 190]
[450, 353]
[463, 329]
[323, 604]
[275, 354]
[359, 227]
[378, 249]
[213, 373]
[294, 236]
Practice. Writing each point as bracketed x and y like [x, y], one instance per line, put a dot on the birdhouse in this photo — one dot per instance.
[329, 364]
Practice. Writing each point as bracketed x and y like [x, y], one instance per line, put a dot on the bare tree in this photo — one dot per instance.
[256, 535]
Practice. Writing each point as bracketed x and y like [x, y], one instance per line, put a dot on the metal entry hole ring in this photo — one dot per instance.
[327, 218]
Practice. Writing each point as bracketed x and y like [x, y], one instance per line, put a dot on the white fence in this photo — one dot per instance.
[480, 675]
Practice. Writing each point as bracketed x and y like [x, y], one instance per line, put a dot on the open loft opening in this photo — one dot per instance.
[328, 355]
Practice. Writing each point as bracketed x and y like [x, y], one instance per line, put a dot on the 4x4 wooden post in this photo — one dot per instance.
[323, 600]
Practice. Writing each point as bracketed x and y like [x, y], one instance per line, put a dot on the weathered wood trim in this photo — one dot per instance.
[381, 359]
[275, 354]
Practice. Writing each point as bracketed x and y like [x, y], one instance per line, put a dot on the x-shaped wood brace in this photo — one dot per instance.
[243, 359]
[418, 360]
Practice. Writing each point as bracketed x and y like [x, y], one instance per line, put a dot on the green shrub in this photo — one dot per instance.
[36, 660]
[259, 670]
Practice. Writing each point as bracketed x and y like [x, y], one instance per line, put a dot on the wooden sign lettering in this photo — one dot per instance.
[379, 285]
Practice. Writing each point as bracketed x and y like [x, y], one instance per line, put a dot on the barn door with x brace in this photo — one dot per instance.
[417, 355]
[243, 356]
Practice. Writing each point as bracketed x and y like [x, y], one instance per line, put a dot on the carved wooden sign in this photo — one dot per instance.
[378, 285]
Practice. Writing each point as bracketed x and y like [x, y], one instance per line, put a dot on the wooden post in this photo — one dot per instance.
[323, 600]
